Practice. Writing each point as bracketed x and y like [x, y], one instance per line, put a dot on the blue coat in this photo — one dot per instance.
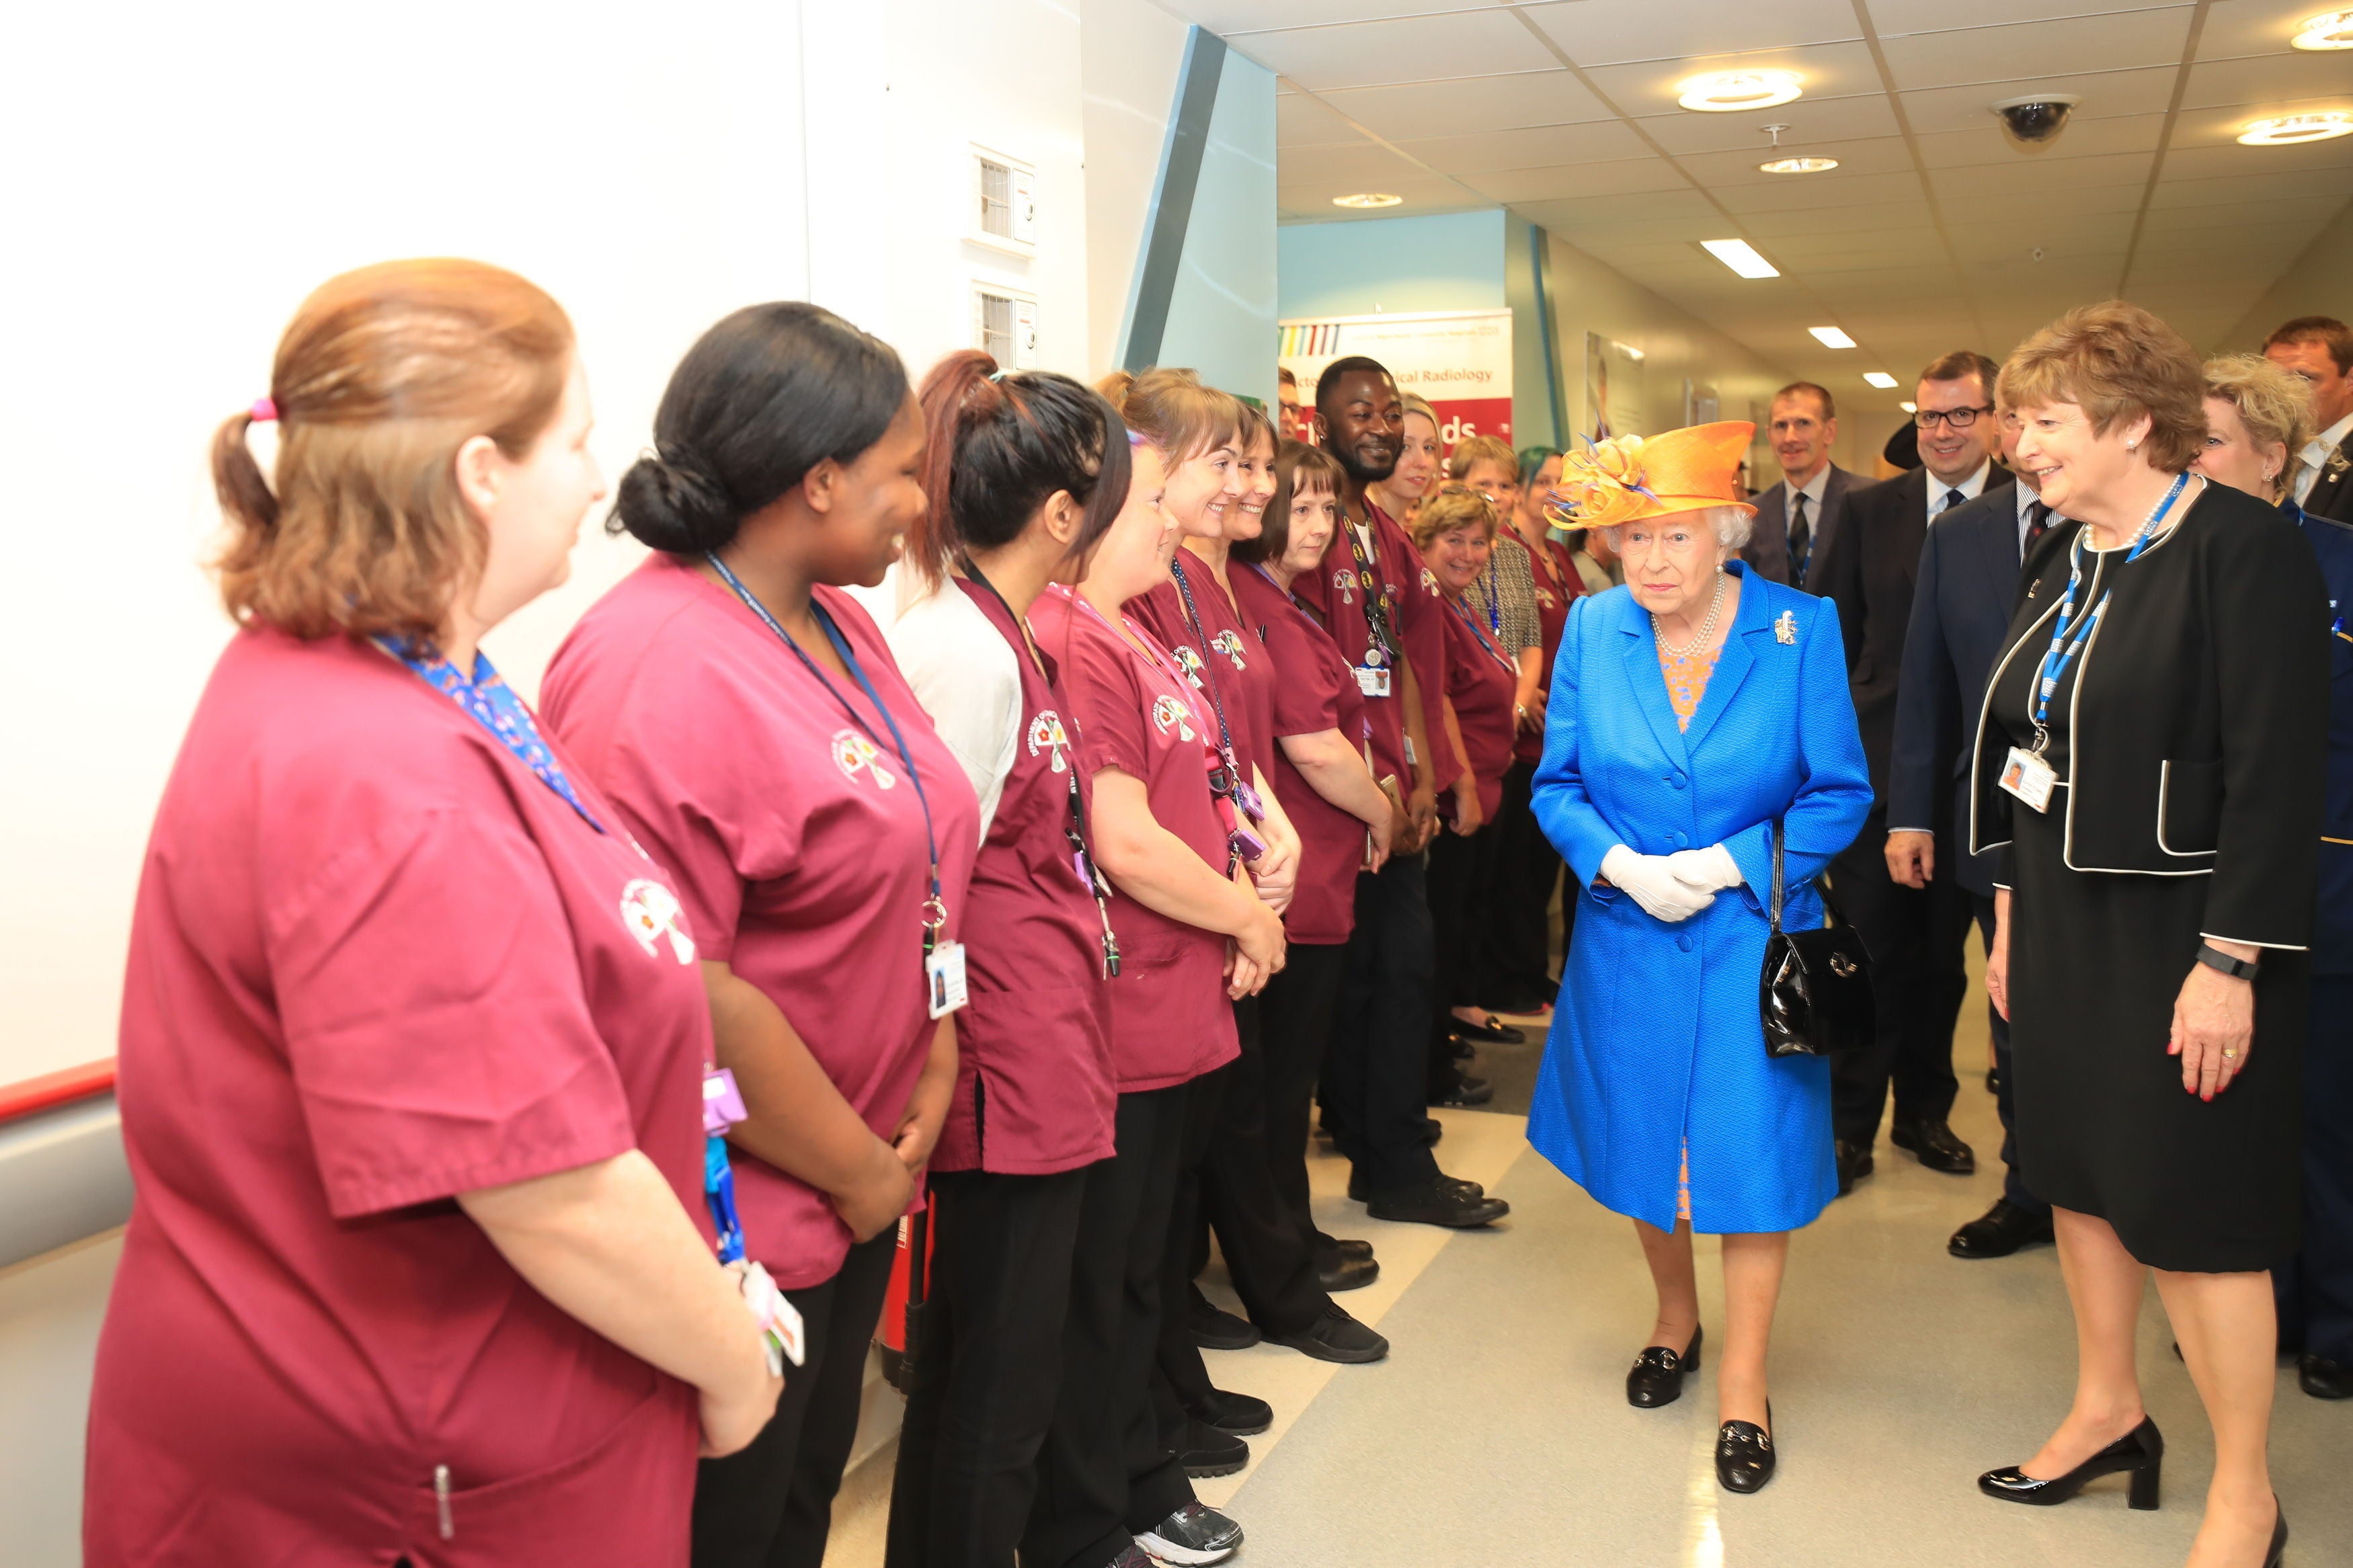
[1657, 1044]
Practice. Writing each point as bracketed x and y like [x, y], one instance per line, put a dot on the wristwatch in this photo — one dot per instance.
[2213, 957]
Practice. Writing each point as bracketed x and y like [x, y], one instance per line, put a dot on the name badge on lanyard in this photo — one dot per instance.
[944, 978]
[1373, 680]
[2030, 778]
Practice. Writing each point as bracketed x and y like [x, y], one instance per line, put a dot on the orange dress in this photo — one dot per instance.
[1686, 684]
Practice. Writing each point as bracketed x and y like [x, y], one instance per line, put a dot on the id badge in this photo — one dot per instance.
[1372, 681]
[779, 1320]
[944, 978]
[2030, 778]
[722, 1103]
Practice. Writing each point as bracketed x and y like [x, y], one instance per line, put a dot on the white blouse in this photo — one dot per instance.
[964, 673]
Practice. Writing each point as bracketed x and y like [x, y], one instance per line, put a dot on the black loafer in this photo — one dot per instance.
[1235, 1414]
[1744, 1455]
[1337, 1272]
[1209, 1452]
[1936, 1147]
[1215, 1329]
[1853, 1165]
[1493, 1033]
[1360, 1193]
[2323, 1378]
[1461, 1049]
[1441, 1201]
[2139, 1452]
[1659, 1372]
[1351, 1247]
[1465, 1091]
[1336, 1337]
[2001, 1231]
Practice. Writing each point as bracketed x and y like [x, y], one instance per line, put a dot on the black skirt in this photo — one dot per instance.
[2104, 1127]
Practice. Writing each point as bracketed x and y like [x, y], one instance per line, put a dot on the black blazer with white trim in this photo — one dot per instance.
[2198, 727]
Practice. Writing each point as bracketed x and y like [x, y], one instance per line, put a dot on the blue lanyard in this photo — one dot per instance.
[2061, 652]
[1492, 592]
[491, 702]
[1229, 782]
[719, 1192]
[936, 908]
[1491, 650]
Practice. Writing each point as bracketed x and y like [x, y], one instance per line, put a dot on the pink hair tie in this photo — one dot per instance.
[264, 410]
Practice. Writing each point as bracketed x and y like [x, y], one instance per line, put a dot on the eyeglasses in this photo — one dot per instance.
[1958, 418]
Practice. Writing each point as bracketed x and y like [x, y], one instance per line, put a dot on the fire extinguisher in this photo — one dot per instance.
[898, 1333]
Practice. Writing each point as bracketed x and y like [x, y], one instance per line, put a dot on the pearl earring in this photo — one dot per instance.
[2132, 446]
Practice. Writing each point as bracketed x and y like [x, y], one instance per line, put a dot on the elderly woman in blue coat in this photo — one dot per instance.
[1692, 709]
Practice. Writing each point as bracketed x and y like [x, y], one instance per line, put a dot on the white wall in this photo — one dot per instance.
[1130, 54]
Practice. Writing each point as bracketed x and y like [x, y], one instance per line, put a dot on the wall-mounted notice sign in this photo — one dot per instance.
[1459, 359]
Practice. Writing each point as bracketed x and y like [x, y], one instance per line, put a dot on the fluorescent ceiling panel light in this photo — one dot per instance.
[1798, 166]
[1741, 257]
[1368, 199]
[2329, 30]
[2294, 130]
[1726, 92]
[1831, 337]
[1909, 406]
[1879, 378]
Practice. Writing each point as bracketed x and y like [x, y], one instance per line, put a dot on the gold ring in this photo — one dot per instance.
[2229, 1056]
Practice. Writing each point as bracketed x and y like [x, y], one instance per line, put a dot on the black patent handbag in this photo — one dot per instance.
[1815, 992]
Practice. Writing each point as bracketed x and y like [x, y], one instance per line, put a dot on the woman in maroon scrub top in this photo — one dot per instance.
[1024, 472]
[746, 718]
[412, 1038]
[1455, 531]
[1346, 822]
[1193, 933]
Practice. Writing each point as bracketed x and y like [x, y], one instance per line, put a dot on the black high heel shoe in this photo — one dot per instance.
[1659, 1372]
[2140, 1452]
[1744, 1455]
[2279, 1535]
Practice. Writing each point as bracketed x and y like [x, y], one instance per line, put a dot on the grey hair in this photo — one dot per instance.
[1730, 523]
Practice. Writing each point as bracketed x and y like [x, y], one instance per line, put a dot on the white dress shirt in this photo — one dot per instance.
[961, 671]
[1970, 488]
[2315, 456]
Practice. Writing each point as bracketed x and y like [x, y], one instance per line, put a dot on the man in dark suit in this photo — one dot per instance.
[2320, 350]
[1961, 607]
[1789, 540]
[1915, 934]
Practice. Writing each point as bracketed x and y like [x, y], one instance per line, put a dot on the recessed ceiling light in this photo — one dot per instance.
[1909, 406]
[2292, 130]
[1724, 92]
[1368, 199]
[2329, 30]
[1831, 337]
[1798, 166]
[1741, 257]
[1879, 378]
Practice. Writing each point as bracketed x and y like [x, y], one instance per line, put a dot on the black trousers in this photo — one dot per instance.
[1375, 1096]
[2005, 1103]
[1459, 880]
[1517, 968]
[988, 1367]
[1295, 1020]
[771, 1505]
[1101, 1473]
[2315, 1289]
[1919, 938]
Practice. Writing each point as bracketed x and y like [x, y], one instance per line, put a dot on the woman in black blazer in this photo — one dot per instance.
[2148, 758]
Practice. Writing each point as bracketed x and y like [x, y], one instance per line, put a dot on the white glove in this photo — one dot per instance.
[1652, 883]
[1706, 870]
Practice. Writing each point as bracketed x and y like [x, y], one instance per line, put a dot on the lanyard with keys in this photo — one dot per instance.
[2062, 649]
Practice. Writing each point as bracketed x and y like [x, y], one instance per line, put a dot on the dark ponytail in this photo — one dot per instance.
[762, 397]
[1000, 445]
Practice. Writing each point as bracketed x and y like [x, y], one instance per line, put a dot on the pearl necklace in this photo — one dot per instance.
[1706, 628]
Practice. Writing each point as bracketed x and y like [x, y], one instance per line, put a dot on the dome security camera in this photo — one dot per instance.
[2037, 118]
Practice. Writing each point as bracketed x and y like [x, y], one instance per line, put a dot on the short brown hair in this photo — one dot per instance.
[1451, 506]
[1961, 362]
[2115, 362]
[1297, 467]
[382, 375]
[1172, 410]
[1286, 375]
[2327, 331]
[2273, 404]
[1821, 395]
[1482, 449]
[1254, 427]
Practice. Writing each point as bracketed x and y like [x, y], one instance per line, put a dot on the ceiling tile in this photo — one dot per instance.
[1240, 18]
[1828, 70]
[2078, 139]
[2129, 170]
[1894, 17]
[1826, 242]
[1682, 206]
[2323, 163]
[2212, 192]
[1359, 165]
[2239, 27]
[2148, 90]
[1422, 193]
[1504, 102]
[1411, 49]
[1571, 181]
[1563, 218]
[2038, 49]
[1532, 147]
[1596, 34]
[2279, 78]
[2057, 236]
[1912, 213]
[1871, 156]
[1821, 191]
[1304, 122]
[1810, 120]
[2165, 222]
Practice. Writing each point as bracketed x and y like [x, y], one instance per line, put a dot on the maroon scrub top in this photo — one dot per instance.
[1339, 595]
[377, 963]
[1482, 683]
[1035, 1090]
[1557, 585]
[791, 833]
[1170, 1019]
[1225, 658]
[1317, 692]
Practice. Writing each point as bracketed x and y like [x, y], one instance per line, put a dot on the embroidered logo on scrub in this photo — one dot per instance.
[1429, 582]
[1230, 643]
[1189, 662]
[1544, 598]
[652, 913]
[1046, 733]
[1343, 582]
[854, 753]
[1169, 713]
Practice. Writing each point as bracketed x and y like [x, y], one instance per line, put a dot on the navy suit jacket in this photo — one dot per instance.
[2332, 931]
[1962, 598]
[1767, 549]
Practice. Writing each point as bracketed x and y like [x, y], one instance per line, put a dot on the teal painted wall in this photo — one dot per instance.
[1449, 261]
[1221, 313]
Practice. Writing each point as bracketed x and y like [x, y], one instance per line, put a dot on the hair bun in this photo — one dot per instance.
[676, 505]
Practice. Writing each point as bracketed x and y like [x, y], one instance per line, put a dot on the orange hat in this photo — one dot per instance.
[1628, 478]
